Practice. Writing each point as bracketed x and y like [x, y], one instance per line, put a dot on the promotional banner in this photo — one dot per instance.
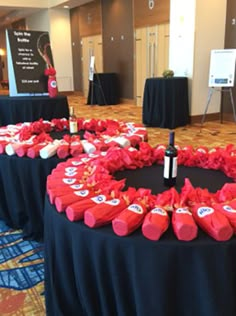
[28, 54]
[222, 68]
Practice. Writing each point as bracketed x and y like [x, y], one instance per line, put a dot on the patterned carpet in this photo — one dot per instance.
[21, 275]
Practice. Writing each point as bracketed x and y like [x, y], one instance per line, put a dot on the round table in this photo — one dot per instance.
[95, 272]
[23, 187]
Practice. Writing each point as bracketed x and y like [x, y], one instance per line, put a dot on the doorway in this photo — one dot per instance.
[230, 42]
[91, 46]
[151, 55]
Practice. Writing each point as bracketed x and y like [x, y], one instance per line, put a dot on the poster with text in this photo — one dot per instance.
[29, 54]
[222, 68]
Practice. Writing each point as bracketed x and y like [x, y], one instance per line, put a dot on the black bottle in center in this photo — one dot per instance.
[170, 162]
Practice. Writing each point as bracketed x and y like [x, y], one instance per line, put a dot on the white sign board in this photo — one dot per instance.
[222, 68]
[91, 68]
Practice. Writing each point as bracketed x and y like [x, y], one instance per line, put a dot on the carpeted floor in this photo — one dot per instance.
[21, 275]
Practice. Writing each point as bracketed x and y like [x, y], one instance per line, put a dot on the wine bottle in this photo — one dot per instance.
[73, 124]
[170, 162]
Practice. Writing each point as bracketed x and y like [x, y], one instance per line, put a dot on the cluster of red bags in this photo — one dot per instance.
[84, 189]
[33, 139]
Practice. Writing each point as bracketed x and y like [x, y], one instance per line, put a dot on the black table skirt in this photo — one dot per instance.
[104, 89]
[28, 109]
[165, 102]
[90, 272]
[23, 187]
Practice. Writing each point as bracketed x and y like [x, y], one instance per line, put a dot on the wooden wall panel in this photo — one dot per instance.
[118, 42]
[90, 22]
[230, 42]
[19, 25]
[116, 20]
[143, 16]
[76, 49]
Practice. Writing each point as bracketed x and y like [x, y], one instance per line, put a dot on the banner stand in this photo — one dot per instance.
[210, 93]
[92, 73]
[221, 77]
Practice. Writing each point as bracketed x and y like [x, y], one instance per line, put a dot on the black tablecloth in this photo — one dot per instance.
[104, 89]
[165, 102]
[28, 109]
[23, 187]
[90, 272]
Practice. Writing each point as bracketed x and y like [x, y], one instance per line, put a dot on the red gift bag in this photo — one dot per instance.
[155, 223]
[183, 224]
[75, 211]
[129, 219]
[212, 222]
[62, 202]
[64, 190]
[52, 86]
[103, 214]
[227, 210]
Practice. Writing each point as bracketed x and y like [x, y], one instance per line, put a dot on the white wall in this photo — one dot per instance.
[209, 34]
[25, 3]
[57, 23]
[196, 27]
[182, 24]
[39, 21]
[60, 34]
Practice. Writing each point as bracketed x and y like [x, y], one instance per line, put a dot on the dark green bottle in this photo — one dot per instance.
[170, 162]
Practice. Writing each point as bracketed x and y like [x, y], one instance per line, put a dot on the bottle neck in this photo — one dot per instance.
[172, 138]
[72, 111]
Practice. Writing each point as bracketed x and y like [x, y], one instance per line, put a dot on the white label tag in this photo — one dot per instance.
[70, 169]
[73, 127]
[113, 202]
[76, 186]
[204, 211]
[228, 208]
[160, 211]
[167, 167]
[136, 208]
[76, 163]
[99, 199]
[68, 181]
[82, 193]
[183, 210]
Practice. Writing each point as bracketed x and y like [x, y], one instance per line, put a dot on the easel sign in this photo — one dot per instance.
[221, 77]
[91, 68]
[222, 68]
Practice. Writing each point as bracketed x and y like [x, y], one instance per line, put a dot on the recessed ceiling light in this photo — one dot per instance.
[66, 7]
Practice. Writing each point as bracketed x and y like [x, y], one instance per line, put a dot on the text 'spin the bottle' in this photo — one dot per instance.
[170, 162]
[73, 124]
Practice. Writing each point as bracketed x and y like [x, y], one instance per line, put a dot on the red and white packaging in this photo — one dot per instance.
[214, 223]
[63, 150]
[129, 219]
[104, 213]
[3, 144]
[63, 190]
[75, 211]
[227, 210]
[59, 182]
[76, 148]
[33, 151]
[155, 223]
[183, 224]
[62, 202]
[49, 150]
